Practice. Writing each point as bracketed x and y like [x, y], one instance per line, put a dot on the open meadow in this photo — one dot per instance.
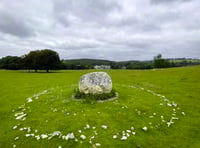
[155, 108]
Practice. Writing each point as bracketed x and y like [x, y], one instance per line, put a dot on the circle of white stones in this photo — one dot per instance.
[21, 115]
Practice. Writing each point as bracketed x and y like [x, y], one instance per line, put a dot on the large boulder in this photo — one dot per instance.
[95, 83]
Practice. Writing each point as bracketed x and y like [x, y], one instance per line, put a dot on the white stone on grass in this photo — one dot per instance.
[23, 119]
[56, 133]
[37, 137]
[28, 129]
[29, 135]
[70, 136]
[43, 136]
[150, 116]
[166, 100]
[145, 128]
[15, 127]
[127, 134]
[123, 138]
[87, 126]
[170, 123]
[104, 126]
[21, 129]
[19, 114]
[133, 133]
[29, 100]
[83, 137]
[183, 113]
[174, 104]
[20, 117]
[168, 104]
[114, 136]
[98, 144]
[16, 138]
[92, 137]
[174, 118]
[79, 131]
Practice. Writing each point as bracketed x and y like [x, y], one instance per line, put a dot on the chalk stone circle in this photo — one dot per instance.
[95, 83]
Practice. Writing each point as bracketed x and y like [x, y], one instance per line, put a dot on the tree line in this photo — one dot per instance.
[47, 59]
[35, 60]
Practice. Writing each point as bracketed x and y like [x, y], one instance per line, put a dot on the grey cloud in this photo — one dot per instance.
[85, 10]
[78, 45]
[109, 29]
[167, 1]
[134, 43]
[14, 26]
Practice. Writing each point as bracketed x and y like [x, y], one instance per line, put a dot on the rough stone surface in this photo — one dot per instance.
[95, 83]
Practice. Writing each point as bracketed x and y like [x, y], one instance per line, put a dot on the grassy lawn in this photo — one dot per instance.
[155, 108]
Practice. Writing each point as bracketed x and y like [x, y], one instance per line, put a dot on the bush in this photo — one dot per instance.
[80, 95]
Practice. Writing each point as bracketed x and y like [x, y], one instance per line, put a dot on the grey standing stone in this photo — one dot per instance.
[95, 83]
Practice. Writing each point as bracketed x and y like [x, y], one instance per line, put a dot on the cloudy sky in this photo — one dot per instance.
[103, 29]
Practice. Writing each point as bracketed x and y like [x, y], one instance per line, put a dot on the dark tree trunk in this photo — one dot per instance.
[35, 70]
[47, 70]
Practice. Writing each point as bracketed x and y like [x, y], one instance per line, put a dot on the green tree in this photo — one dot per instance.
[31, 60]
[11, 62]
[160, 63]
[42, 60]
[48, 59]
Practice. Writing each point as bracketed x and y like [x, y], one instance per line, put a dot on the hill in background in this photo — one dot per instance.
[133, 64]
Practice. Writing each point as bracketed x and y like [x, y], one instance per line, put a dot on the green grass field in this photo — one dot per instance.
[155, 108]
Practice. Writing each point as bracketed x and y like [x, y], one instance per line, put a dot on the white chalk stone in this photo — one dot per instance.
[98, 144]
[145, 128]
[123, 138]
[43, 136]
[83, 137]
[104, 126]
[114, 136]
